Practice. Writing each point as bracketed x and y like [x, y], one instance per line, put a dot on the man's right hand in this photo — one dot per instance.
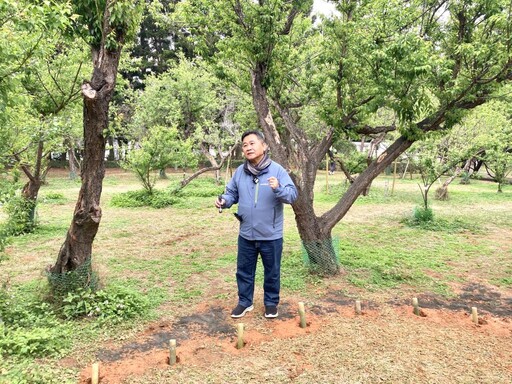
[219, 203]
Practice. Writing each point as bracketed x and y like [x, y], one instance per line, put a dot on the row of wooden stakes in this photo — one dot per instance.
[240, 333]
[417, 311]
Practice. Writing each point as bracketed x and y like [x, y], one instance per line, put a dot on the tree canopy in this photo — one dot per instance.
[428, 63]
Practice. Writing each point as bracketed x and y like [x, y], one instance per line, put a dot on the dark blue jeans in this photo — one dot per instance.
[270, 251]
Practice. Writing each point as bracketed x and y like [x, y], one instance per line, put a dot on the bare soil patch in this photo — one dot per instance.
[434, 347]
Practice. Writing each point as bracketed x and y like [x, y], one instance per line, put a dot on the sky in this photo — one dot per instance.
[323, 7]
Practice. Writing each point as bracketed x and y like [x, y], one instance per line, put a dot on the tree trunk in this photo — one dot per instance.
[316, 238]
[162, 175]
[345, 171]
[30, 190]
[336, 213]
[374, 146]
[469, 168]
[73, 168]
[303, 164]
[77, 248]
[442, 191]
[215, 167]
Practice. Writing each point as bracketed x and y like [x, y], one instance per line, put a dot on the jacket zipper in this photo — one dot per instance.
[256, 194]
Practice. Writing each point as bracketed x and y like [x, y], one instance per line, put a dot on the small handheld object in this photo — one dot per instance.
[220, 201]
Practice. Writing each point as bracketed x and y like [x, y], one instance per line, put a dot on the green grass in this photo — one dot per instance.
[184, 254]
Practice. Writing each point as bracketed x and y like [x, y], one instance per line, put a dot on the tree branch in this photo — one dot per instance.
[368, 130]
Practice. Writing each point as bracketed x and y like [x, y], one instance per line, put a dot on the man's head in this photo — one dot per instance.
[254, 146]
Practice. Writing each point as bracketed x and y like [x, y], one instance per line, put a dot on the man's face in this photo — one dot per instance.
[253, 148]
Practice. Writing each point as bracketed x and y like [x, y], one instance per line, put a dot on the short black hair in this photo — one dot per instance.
[258, 134]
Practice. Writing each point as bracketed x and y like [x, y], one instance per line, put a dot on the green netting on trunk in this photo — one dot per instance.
[80, 278]
[322, 256]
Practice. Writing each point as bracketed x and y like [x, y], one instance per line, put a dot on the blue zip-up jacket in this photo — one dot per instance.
[260, 208]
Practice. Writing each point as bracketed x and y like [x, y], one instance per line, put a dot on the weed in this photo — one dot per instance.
[142, 198]
[172, 195]
[53, 198]
[204, 187]
[423, 215]
[25, 371]
[112, 305]
[441, 224]
[30, 326]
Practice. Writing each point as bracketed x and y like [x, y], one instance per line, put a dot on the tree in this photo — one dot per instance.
[495, 138]
[437, 155]
[24, 29]
[108, 25]
[462, 148]
[31, 98]
[159, 149]
[52, 85]
[427, 62]
[191, 99]
[158, 45]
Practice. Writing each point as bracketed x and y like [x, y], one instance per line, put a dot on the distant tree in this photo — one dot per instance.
[159, 149]
[53, 86]
[157, 45]
[27, 30]
[439, 155]
[35, 85]
[496, 140]
[189, 98]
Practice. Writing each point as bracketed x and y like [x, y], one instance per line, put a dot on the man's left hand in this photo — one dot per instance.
[273, 182]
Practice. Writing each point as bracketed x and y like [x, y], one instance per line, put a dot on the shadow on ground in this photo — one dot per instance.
[213, 322]
[485, 298]
[216, 321]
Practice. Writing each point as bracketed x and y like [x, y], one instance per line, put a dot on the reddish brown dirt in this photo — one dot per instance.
[208, 337]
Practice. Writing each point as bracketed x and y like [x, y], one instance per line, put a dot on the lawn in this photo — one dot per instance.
[178, 264]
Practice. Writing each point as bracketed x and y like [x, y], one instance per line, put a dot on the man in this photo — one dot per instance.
[260, 186]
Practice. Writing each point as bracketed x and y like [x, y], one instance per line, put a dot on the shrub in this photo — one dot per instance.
[21, 214]
[162, 199]
[423, 215]
[131, 199]
[201, 187]
[53, 198]
[142, 198]
[112, 305]
[9, 183]
[30, 372]
[34, 342]
[5, 239]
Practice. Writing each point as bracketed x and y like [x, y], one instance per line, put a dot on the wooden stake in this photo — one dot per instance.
[394, 178]
[416, 306]
[240, 332]
[327, 173]
[172, 352]
[95, 373]
[302, 314]
[358, 307]
[474, 315]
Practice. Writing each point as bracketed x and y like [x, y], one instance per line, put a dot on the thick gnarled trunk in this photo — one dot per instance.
[77, 247]
[316, 237]
[303, 164]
